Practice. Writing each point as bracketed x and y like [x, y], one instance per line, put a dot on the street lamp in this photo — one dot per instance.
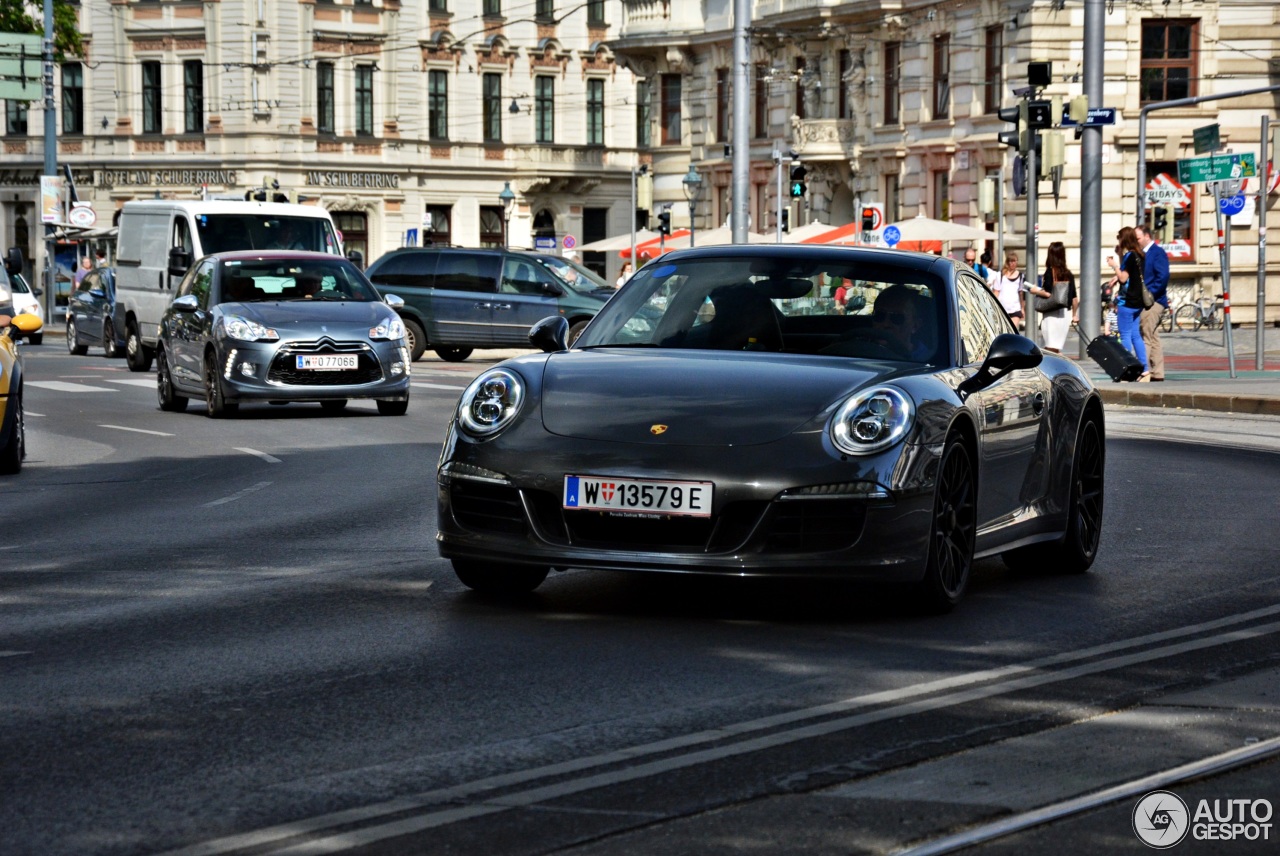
[508, 198]
[636, 172]
[692, 185]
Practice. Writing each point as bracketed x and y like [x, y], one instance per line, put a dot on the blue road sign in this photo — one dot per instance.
[1231, 205]
[1097, 116]
[892, 235]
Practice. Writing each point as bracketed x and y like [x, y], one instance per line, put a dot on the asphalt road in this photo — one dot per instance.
[236, 637]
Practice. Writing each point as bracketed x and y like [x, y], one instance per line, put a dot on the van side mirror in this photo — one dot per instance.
[179, 261]
[1009, 352]
[356, 258]
[550, 334]
[13, 261]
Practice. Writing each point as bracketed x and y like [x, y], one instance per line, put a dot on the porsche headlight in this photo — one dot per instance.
[236, 327]
[871, 420]
[490, 403]
[388, 328]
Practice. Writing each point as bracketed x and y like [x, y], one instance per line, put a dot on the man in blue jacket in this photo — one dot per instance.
[1155, 275]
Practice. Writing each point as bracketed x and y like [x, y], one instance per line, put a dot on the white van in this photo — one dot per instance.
[160, 239]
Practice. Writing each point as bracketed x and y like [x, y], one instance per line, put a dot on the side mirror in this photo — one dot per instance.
[179, 261]
[555, 289]
[550, 334]
[1008, 353]
[20, 325]
[394, 301]
[186, 303]
[356, 258]
[13, 262]
[37, 291]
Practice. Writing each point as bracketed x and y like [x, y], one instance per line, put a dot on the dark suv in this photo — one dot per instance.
[457, 300]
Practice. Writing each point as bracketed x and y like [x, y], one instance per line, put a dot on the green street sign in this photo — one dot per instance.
[1216, 168]
[1206, 139]
[21, 68]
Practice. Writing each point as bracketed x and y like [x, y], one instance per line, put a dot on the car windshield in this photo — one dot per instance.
[275, 280]
[221, 233]
[572, 274]
[834, 306]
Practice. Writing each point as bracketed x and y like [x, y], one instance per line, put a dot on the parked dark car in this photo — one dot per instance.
[282, 327]
[91, 315]
[721, 415]
[458, 300]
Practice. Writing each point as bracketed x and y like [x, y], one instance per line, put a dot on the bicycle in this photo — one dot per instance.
[1202, 312]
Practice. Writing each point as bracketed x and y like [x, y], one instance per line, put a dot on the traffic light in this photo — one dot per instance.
[786, 219]
[1162, 223]
[1040, 114]
[798, 172]
[868, 219]
[1017, 116]
[664, 222]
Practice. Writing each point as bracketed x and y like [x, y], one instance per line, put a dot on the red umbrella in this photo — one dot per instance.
[650, 247]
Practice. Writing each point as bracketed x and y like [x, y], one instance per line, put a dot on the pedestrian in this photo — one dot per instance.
[1128, 281]
[979, 267]
[86, 265]
[623, 275]
[993, 275]
[1155, 276]
[1009, 289]
[1054, 323]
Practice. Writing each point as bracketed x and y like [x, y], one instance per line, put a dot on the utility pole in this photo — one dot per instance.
[739, 211]
[1263, 179]
[1091, 177]
[50, 158]
[777, 164]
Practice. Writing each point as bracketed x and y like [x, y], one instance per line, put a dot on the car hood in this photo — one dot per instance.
[703, 398]
[306, 316]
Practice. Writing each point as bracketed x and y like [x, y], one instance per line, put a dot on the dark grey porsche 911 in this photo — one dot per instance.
[724, 414]
[280, 326]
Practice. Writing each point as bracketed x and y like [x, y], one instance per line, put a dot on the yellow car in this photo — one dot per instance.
[12, 436]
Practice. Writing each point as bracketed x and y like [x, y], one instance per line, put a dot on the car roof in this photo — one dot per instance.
[276, 255]
[872, 255]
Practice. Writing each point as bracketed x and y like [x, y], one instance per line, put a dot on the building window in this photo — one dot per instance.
[438, 105]
[942, 195]
[15, 118]
[436, 227]
[799, 106]
[892, 70]
[151, 98]
[671, 132]
[595, 13]
[544, 10]
[324, 97]
[492, 8]
[193, 96]
[364, 100]
[846, 68]
[595, 112]
[1164, 174]
[722, 105]
[644, 134]
[492, 228]
[354, 227]
[492, 108]
[761, 114]
[73, 98]
[941, 77]
[544, 108]
[993, 90]
[892, 199]
[1169, 57]
[438, 6]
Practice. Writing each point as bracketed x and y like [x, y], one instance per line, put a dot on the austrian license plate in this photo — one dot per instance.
[327, 362]
[638, 496]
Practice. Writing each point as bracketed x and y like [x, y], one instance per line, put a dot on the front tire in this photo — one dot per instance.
[500, 580]
[953, 531]
[136, 354]
[216, 405]
[417, 339]
[170, 401]
[16, 449]
[110, 349]
[453, 355]
[74, 348]
[575, 331]
[36, 339]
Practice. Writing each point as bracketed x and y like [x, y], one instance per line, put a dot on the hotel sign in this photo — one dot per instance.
[165, 177]
[344, 178]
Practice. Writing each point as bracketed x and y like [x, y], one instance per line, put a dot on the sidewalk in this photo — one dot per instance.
[1197, 374]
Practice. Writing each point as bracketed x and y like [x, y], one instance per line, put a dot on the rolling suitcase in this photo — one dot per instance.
[1114, 358]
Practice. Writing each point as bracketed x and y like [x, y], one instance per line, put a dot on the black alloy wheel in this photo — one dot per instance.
[170, 401]
[453, 355]
[954, 529]
[109, 348]
[16, 449]
[216, 405]
[416, 339]
[136, 353]
[499, 580]
[74, 348]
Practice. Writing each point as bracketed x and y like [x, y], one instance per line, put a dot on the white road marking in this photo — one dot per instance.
[136, 430]
[132, 381]
[437, 386]
[240, 494]
[13, 653]
[61, 386]
[270, 459]
[809, 723]
[31, 413]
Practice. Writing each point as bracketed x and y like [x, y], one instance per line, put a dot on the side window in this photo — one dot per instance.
[524, 276]
[197, 282]
[415, 269]
[89, 283]
[981, 318]
[182, 233]
[468, 271]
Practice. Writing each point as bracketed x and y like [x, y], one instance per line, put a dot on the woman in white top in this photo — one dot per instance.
[1055, 323]
[623, 275]
[1009, 289]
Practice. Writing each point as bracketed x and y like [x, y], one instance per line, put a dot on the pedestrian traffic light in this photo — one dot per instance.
[1017, 116]
[1162, 223]
[786, 219]
[798, 172]
[868, 219]
[664, 222]
[1039, 114]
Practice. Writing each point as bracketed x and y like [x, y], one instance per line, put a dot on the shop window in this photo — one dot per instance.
[354, 227]
[595, 228]
[493, 231]
[436, 226]
[1178, 200]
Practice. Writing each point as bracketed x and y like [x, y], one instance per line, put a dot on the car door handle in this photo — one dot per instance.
[502, 306]
[482, 306]
[1037, 403]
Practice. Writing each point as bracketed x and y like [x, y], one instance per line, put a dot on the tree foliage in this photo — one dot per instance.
[17, 16]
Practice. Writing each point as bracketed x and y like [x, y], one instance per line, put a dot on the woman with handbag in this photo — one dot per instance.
[1132, 294]
[1056, 299]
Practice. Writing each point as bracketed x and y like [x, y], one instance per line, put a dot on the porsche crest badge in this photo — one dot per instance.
[657, 429]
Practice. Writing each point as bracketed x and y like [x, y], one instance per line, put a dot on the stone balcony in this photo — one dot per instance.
[825, 139]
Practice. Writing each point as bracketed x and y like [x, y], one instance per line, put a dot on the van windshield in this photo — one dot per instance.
[221, 233]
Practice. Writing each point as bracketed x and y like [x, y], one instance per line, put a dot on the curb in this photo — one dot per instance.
[1215, 401]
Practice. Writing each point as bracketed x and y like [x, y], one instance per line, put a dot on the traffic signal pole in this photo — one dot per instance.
[1089, 292]
[1030, 316]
